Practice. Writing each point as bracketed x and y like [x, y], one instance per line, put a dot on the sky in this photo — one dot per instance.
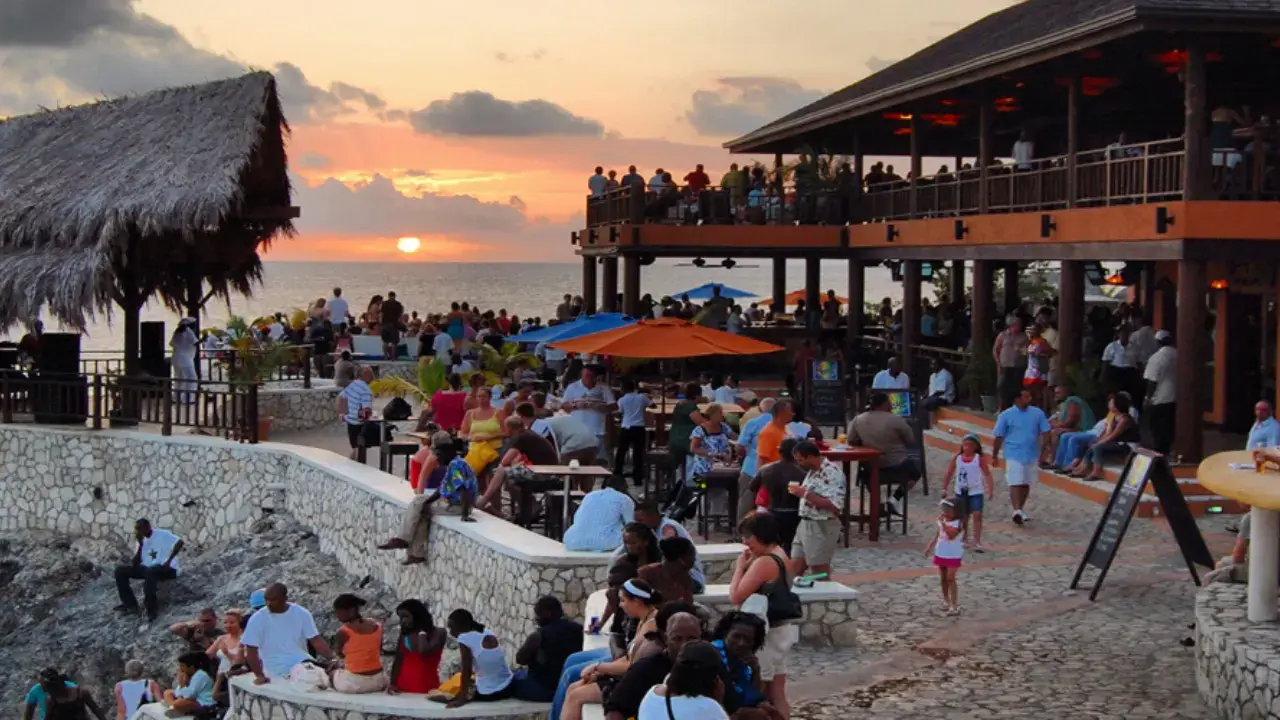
[471, 126]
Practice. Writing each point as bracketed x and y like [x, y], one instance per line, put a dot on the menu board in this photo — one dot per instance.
[826, 394]
[1143, 467]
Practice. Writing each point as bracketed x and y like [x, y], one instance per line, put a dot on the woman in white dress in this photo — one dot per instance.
[185, 345]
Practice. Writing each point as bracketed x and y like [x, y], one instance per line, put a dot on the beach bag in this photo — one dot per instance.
[779, 605]
[310, 676]
[397, 409]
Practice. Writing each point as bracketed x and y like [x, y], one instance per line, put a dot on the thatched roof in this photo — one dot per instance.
[134, 192]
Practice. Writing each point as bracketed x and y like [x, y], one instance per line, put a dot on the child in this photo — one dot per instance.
[195, 685]
[972, 473]
[948, 550]
[359, 644]
[1036, 376]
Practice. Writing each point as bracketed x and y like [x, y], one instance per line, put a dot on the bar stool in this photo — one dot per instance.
[889, 482]
[553, 511]
[722, 479]
[660, 470]
[395, 449]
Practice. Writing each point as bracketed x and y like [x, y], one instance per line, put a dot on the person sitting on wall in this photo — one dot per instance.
[201, 632]
[545, 650]
[156, 559]
[457, 487]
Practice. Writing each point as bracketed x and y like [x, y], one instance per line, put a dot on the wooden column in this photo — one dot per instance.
[1011, 297]
[812, 292]
[1196, 169]
[857, 296]
[1070, 313]
[984, 280]
[631, 285]
[910, 316]
[916, 163]
[956, 288]
[856, 214]
[589, 285]
[1073, 138]
[1191, 342]
[984, 152]
[779, 304]
[609, 296]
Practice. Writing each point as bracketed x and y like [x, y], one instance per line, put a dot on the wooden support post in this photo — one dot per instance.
[1073, 138]
[812, 293]
[984, 152]
[857, 296]
[777, 175]
[955, 291]
[631, 285]
[589, 285]
[910, 316]
[917, 163]
[1195, 179]
[1191, 341]
[779, 304]
[609, 296]
[1011, 297]
[855, 213]
[1070, 313]
[984, 281]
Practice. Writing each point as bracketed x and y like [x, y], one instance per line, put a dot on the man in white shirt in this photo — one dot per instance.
[275, 331]
[280, 637]
[442, 346]
[596, 183]
[1142, 345]
[355, 404]
[657, 183]
[1161, 395]
[727, 394]
[891, 378]
[942, 387]
[588, 401]
[156, 559]
[338, 309]
[633, 434]
[1023, 151]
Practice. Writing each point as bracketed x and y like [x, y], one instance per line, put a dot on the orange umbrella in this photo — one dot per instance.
[665, 338]
[795, 296]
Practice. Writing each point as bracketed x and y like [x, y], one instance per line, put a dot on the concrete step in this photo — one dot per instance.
[964, 414]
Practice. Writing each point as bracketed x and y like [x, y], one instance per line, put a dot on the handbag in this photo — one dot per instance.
[783, 603]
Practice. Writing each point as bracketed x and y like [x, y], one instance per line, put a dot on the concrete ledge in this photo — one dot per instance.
[282, 699]
[1237, 661]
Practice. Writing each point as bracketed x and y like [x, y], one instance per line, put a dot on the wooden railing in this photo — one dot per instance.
[954, 360]
[1119, 175]
[229, 410]
[215, 366]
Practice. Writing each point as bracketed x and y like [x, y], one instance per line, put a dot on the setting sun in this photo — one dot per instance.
[408, 244]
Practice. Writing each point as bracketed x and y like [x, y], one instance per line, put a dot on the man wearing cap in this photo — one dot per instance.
[457, 486]
[185, 344]
[1161, 393]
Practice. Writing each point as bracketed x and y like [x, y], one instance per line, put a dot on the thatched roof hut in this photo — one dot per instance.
[159, 194]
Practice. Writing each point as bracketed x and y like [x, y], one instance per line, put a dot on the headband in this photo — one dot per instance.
[635, 591]
[947, 503]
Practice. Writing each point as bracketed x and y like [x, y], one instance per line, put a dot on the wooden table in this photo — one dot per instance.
[423, 437]
[729, 409]
[856, 454]
[1262, 491]
[568, 473]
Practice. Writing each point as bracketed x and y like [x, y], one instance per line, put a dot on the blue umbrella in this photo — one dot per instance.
[706, 292]
[578, 327]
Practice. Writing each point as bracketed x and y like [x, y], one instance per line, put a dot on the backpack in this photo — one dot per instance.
[397, 409]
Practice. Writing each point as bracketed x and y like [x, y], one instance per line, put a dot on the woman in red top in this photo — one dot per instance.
[416, 668]
[448, 406]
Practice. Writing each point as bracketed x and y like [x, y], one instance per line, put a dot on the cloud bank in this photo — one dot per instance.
[738, 105]
[477, 113]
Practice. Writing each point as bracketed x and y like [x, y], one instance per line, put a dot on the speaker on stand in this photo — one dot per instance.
[151, 342]
[59, 393]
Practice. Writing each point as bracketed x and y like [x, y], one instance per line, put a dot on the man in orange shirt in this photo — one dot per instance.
[769, 443]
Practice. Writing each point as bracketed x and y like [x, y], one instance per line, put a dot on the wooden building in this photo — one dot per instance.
[1151, 126]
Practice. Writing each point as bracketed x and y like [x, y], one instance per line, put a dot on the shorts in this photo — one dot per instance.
[1020, 474]
[390, 334]
[816, 541]
[368, 430]
[969, 503]
[946, 562]
[345, 681]
[777, 646]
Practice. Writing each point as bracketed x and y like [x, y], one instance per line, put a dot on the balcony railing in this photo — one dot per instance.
[1118, 175]
[226, 409]
[212, 365]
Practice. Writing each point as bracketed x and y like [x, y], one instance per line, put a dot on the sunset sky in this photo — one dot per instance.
[471, 125]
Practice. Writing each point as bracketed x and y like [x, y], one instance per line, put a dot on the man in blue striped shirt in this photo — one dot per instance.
[355, 405]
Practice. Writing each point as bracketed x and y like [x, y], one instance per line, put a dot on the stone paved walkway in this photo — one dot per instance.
[1025, 645]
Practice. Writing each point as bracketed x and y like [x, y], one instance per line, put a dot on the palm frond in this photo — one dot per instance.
[397, 387]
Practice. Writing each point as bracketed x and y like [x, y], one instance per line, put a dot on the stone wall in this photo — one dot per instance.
[1237, 662]
[286, 701]
[299, 408]
[96, 483]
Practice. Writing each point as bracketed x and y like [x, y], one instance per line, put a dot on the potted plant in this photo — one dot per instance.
[979, 380]
[1084, 381]
[254, 360]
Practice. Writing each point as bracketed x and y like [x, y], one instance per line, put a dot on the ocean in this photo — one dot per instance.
[524, 289]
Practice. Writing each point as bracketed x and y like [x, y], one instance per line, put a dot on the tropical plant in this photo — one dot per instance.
[255, 360]
[498, 365]
[980, 376]
[399, 387]
[1084, 380]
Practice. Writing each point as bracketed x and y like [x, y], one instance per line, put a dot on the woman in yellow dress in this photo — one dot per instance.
[482, 427]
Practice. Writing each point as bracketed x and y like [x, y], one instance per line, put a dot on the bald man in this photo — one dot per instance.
[678, 627]
[1265, 432]
[355, 405]
[280, 638]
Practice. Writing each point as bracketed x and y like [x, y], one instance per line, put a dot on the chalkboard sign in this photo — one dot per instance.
[1143, 467]
[826, 394]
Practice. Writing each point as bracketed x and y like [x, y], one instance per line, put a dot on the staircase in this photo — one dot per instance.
[952, 424]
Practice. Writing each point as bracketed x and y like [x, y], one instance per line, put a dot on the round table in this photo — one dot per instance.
[1262, 491]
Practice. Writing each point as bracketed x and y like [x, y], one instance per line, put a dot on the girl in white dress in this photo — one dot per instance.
[948, 551]
[971, 471]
